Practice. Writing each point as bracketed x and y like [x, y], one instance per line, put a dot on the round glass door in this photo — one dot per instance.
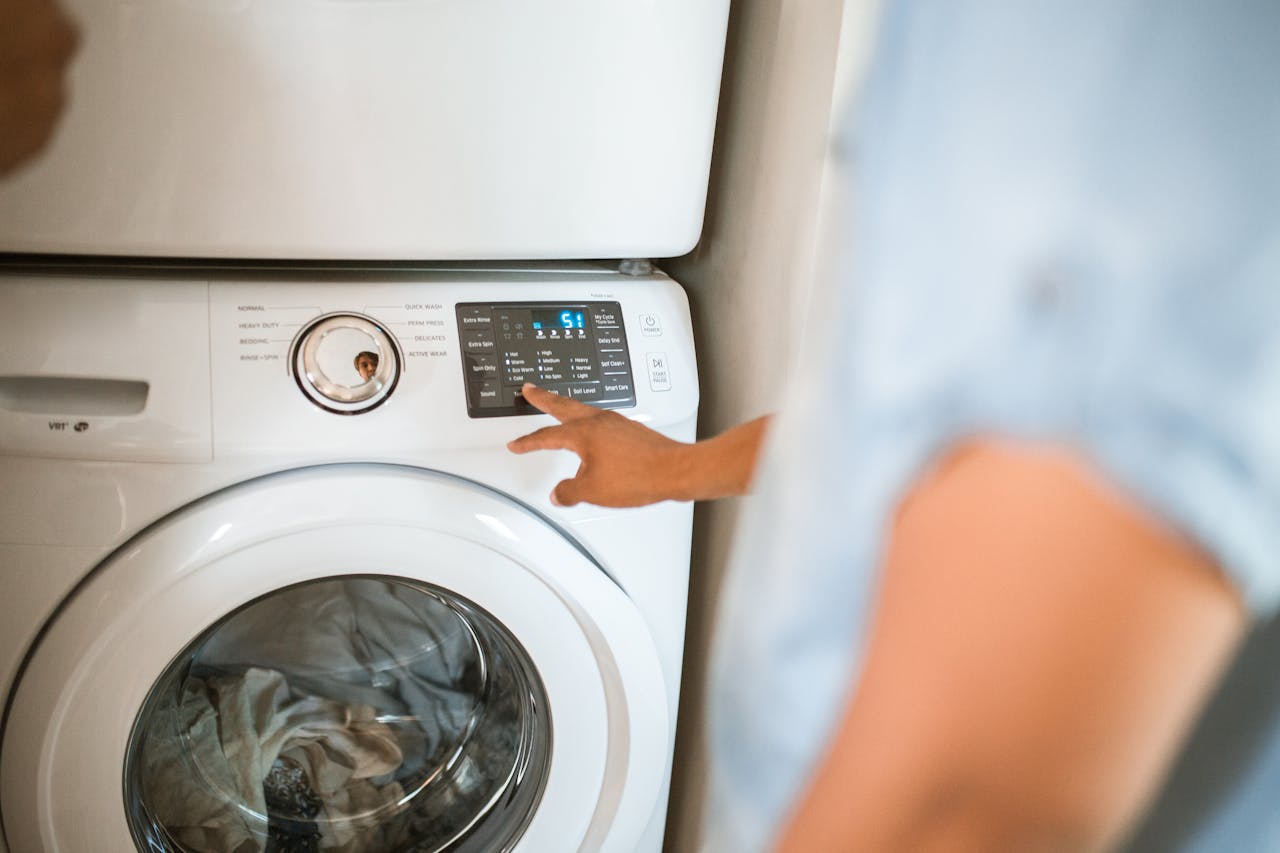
[344, 714]
[250, 693]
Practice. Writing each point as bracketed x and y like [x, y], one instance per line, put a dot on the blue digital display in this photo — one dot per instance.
[562, 318]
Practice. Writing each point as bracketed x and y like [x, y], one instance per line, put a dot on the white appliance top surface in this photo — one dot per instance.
[411, 129]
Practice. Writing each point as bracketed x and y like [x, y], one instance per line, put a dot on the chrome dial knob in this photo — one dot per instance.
[346, 363]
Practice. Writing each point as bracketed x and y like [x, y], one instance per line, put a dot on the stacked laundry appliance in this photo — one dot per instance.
[267, 301]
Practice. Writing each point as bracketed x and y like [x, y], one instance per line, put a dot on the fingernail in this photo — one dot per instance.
[555, 501]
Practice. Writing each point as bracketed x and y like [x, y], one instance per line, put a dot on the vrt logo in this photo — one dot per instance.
[81, 426]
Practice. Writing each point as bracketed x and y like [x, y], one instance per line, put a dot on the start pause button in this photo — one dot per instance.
[659, 371]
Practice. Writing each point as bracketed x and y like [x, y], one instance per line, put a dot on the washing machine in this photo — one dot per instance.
[273, 582]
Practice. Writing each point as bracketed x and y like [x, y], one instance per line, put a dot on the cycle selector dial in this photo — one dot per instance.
[346, 362]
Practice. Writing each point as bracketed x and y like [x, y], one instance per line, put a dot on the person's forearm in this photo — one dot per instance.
[625, 463]
[1039, 648]
[722, 466]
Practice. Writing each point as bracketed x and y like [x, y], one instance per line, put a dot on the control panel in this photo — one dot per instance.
[577, 349]
[194, 366]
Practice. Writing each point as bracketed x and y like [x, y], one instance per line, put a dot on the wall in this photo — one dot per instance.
[749, 278]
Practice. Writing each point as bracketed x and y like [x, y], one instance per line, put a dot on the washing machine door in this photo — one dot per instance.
[348, 658]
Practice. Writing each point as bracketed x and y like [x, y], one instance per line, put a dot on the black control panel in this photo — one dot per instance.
[577, 349]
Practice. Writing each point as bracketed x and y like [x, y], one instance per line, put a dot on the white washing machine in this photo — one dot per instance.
[273, 582]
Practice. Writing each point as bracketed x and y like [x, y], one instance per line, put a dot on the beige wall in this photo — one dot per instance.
[749, 279]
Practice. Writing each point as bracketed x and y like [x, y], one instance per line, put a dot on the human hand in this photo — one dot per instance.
[36, 45]
[624, 464]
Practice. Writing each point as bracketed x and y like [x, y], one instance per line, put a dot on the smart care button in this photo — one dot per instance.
[618, 389]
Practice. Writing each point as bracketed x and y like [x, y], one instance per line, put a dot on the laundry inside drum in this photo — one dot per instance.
[355, 715]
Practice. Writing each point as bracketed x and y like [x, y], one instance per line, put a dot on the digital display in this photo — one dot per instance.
[567, 318]
[577, 350]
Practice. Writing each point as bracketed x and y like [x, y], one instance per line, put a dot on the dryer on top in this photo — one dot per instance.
[432, 129]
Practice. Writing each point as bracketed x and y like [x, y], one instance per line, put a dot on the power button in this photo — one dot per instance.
[650, 325]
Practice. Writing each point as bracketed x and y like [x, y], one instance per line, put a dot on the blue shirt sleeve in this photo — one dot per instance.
[1066, 227]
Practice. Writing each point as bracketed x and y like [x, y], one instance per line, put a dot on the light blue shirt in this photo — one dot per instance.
[1067, 227]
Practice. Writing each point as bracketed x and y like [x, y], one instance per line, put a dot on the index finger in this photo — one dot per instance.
[561, 408]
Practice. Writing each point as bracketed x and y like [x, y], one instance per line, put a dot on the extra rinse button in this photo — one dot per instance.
[659, 371]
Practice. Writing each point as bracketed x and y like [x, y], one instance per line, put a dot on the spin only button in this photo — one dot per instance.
[480, 367]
